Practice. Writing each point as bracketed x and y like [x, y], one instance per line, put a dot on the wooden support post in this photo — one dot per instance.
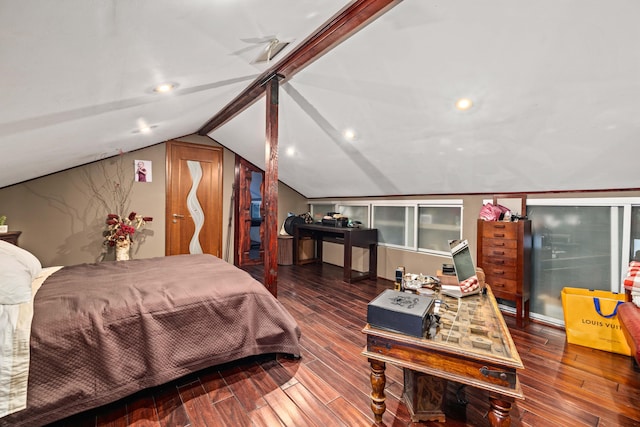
[270, 201]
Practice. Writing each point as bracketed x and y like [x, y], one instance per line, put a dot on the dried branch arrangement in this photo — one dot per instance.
[114, 189]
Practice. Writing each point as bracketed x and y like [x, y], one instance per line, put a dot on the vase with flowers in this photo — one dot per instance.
[120, 231]
[111, 183]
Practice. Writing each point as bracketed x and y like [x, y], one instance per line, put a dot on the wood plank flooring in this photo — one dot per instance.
[564, 384]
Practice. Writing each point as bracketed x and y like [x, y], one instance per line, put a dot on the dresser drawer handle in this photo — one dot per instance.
[499, 285]
[498, 252]
[499, 244]
[498, 226]
[498, 234]
[499, 262]
[498, 272]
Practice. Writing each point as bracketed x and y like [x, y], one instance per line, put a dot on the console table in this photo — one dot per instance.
[472, 346]
[349, 237]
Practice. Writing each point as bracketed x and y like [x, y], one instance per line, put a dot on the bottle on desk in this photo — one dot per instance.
[399, 279]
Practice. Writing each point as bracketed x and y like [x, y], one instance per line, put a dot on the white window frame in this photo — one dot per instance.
[440, 204]
[398, 204]
[360, 205]
[320, 202]
[415, 204]
[337, 203]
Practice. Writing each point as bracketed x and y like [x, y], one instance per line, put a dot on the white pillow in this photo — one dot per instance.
[15, 281]
[25, 257]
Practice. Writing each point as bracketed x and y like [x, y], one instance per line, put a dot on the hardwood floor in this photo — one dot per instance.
[564, 384]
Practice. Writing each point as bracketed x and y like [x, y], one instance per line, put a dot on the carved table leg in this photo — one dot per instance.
[378, 381]
[499, 412]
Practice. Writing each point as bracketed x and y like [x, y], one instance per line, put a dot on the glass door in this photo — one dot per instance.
[581, 243]
[571, 248]
[634, 244]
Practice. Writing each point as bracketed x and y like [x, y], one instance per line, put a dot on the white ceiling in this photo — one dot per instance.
[554, 84]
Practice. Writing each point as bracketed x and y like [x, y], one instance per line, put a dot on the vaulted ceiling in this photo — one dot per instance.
[553, 86]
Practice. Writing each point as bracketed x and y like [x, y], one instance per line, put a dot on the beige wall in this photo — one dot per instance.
[62, 223]
[290, 200]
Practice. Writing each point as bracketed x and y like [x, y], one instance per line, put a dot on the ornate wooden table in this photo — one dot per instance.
[472, 346]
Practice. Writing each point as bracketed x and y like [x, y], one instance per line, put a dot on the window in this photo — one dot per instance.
[355, 212]
[318, 210]
[424, 225]
[437, 225]
[395, 224]
[416, 225]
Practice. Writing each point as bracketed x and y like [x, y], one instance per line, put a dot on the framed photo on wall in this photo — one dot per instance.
[142, 170]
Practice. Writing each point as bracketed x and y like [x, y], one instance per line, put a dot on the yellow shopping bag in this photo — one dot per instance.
[590, 319]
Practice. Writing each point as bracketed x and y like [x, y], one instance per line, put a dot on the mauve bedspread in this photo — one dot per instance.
[103, 331]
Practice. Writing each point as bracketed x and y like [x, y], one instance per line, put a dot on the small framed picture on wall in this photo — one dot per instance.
[142, 170]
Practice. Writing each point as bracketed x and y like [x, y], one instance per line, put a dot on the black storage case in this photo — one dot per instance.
[401, 312]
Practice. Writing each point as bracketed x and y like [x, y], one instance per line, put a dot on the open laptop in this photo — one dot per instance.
[463, 264]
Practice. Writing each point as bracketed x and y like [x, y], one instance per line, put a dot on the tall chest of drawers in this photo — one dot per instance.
[504, 253]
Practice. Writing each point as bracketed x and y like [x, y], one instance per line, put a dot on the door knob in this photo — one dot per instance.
[175, 216]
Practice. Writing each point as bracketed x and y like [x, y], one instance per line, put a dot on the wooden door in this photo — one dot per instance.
[249, 223]
[194, 199]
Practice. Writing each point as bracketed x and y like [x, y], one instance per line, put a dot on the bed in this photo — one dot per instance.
[103, 331]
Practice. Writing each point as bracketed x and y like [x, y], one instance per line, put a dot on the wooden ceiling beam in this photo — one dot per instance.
[342, 26]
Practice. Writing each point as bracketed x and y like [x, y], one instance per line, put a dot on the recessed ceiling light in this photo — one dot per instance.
[290, 151]
[349, 134]
[165, 87]
[463, 104]
[144, 129]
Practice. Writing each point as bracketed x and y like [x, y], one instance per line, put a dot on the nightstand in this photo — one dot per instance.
[11, 237]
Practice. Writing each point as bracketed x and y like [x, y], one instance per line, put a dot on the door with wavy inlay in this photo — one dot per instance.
[194, 199]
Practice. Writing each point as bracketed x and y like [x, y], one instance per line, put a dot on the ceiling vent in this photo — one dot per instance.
[273, 48]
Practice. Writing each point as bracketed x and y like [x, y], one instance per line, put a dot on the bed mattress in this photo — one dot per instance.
[103, 331]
